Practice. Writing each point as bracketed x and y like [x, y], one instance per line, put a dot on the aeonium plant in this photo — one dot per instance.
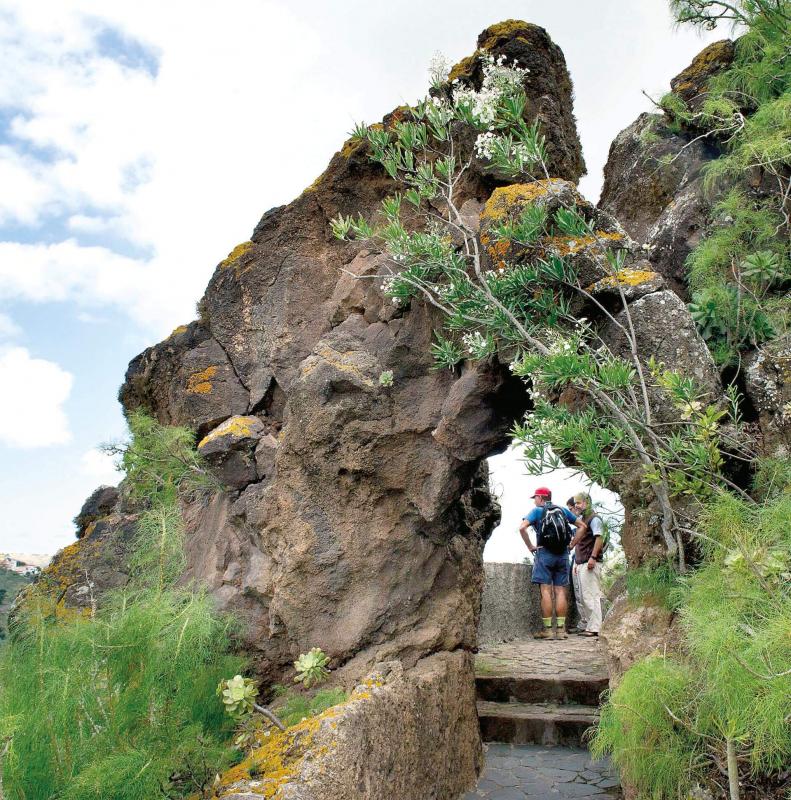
[311, 668]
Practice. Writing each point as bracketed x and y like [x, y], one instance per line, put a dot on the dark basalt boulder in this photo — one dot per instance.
[185, 380]
[100, 504]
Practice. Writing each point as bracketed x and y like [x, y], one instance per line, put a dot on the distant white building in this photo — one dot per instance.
[14, 565]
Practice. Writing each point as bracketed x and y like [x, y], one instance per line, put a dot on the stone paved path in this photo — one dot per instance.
[519, 771]
[546, 682]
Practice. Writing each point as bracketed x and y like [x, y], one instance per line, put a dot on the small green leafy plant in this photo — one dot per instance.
[311, 668]
[238, 695]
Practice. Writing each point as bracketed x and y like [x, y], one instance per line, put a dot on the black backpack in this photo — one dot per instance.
[555, 531]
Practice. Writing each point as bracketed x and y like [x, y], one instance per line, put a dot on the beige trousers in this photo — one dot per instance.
[587, 589]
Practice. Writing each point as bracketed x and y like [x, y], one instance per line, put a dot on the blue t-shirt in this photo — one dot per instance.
[536, 518]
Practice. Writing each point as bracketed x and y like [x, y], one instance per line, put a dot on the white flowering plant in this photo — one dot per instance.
[523, 307]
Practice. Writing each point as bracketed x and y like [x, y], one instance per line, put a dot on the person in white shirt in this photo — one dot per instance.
[588, 556]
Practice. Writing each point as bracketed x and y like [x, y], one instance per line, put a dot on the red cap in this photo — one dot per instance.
[542, 491]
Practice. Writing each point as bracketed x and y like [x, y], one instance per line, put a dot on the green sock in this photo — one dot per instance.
[561, 622]
[547, 621]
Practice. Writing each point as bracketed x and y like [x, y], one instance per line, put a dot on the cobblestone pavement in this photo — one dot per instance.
[574, 658]
[516, 772]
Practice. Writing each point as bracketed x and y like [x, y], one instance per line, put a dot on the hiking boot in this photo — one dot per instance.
[560, 633]
[544, 633]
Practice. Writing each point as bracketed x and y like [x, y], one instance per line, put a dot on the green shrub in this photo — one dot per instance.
[292, 707]
[669, 722]
[657, 583]
[657, 755]
[118, 703]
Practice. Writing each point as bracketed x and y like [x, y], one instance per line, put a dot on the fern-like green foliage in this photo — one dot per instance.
[161, 462]
[668, 721]
[119, 704]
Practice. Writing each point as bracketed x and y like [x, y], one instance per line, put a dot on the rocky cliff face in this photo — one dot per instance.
[356, 512]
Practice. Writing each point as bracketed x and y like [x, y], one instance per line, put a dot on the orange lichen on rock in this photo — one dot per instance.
[498, 251]
[177, 331]
[235, 254]
[235, 426]
[506, 199]
[200, 382]
[625, 277]
[568, 245]
[276, 759]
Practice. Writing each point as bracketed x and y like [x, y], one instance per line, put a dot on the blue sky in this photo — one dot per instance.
[140, 142]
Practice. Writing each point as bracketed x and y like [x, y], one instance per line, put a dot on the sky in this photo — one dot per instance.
[140, 142]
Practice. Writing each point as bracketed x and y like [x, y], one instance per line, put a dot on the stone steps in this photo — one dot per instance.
[539, 692]
[537, 688]
[535, 723]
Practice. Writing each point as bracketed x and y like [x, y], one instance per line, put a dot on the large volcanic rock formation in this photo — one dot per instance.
[356, 511]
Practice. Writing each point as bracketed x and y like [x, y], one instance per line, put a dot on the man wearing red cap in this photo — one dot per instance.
[551, 562]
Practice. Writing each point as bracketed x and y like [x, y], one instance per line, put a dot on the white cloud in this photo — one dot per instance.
[83, 223]
[247, 104]
[8, 328]
[31, 403]
[99, 467]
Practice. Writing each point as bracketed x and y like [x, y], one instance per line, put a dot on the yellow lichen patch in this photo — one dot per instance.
[568, 245]
[235, 254]
[315, 185]
[47, 594]
[177, 331]
[626, 277]
[508, 29]
[464, 68]
[715, 53]
[200, 382]
[341, 361]
[351, 146]
[235, 426]
[276, 759]
[506, 199]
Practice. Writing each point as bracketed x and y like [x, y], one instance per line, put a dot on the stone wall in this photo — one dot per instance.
[510, 607]
[402, 734]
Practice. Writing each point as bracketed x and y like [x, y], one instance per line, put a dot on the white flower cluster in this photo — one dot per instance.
[498, 80]
[438, 69]
[387, 286]
[474, 342]
[484, 144]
